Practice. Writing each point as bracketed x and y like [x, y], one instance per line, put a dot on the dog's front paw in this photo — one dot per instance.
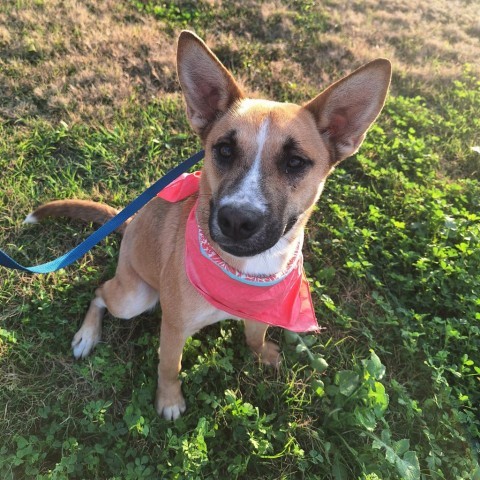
[170, 403]
[85, 340]
[269, 354]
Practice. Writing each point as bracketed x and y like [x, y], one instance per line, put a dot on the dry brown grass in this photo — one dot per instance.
[82, 61]
[428, 41]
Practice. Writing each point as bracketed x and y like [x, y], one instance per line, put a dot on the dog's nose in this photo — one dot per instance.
[238, 224]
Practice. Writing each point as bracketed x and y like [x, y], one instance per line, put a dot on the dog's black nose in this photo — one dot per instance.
[238, 224]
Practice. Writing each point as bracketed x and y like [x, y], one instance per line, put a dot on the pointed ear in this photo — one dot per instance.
[346, 109]
[208, 87]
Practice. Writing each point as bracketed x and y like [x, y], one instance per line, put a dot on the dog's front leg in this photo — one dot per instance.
[169, 400]
[267, 352]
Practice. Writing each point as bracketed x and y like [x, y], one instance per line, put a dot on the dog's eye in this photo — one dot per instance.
[223, 153]
[295, 165]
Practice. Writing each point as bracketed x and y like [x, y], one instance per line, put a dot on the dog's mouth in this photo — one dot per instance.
[240, 250]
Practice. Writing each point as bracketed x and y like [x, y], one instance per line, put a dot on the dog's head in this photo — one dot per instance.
[266, 162]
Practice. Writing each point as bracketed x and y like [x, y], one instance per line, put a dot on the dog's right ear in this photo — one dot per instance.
[208, 87]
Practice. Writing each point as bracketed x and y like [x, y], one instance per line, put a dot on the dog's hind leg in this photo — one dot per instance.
[125, 296]
[267, 352]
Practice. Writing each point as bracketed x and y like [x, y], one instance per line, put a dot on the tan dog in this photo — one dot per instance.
[265, 167]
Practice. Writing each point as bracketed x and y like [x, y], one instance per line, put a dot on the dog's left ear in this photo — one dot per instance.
[208, 87]
[346, 109]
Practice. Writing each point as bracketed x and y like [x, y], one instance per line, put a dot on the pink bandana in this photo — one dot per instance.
[282, 299]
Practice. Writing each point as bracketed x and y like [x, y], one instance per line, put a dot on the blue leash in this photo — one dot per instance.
[80, 250]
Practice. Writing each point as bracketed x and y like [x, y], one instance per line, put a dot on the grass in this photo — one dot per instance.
[90, 108]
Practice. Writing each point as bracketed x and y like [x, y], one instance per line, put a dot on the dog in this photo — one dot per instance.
[265, 167]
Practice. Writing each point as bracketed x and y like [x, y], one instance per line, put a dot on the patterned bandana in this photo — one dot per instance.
[281, 300]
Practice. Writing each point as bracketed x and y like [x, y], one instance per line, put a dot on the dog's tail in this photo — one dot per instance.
[85, 210]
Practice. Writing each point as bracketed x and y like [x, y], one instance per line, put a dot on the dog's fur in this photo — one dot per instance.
[265, 167]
